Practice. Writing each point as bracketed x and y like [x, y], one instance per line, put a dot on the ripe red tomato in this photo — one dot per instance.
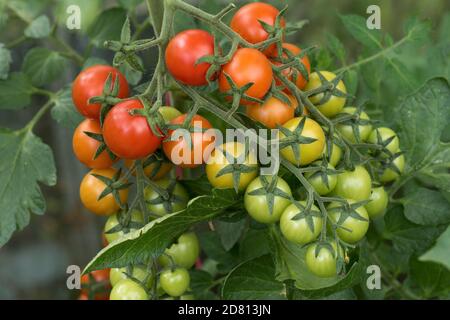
[193, 154]
[182, 54]
[128, 136]
[248, 66]
[246, 22]
[100, 284]
[273, 111]
[85, 147]
[89, 83]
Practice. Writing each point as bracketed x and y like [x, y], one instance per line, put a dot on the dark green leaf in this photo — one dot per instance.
[108, 26]
[230, 232]
[439, 252]
[430, 279]
[15, 92]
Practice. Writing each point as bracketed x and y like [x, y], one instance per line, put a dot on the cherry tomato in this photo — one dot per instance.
[309, 152]
[336, 154]
[183, 52]
[297, 229]
[248, 66]
[183, 253]
[324, 263]
[378, 202]
[321, 185]
[127, 289]
[176, 200]
[257, 204]
[89, 83]
[185, 153]
[246, 22]
[86, 147]
[219, 161]
[354, 184]
[113, 221]
[353, 229]
[346, 130]
[98, 282]
[389, 174]
[273, 112]
[128, 136]
[169, 113]
[138, 272]
[154, 169]
[91, 188]
[381, 136]
[175, 282]
[334, 104]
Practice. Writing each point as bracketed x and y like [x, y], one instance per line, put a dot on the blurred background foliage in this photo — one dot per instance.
[33, 263]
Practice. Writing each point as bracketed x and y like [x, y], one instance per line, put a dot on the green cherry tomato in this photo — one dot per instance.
[389, 174]
[346, 130]
[354, 184]
[336, 154]
[127, 289]
[159, 204]
[175, 282]
[169, 113]
[355, 224]
[298, 230]
[382, 135]
[324, 262]
[138, 272]
[183, 253]
[323, 185]
[258, 194]
[378, 202]
[136, 220]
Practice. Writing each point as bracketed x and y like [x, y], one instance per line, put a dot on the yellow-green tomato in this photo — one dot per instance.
[176, 282]
[324, 262]
[159, 204]
[127, 289]
[183, 253]
[382, 135]
[389, 174]
[378, 202]
[258, 194]
[298, 229]
[323, 185]
[346, 130]
[169, 113]
[138, 272]
[334, 104]
[112, 222]
[355, 224]
[336, 154]
[354, 184]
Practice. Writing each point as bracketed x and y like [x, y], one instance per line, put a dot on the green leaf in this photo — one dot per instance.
[5, 62]
[27, 10]
[92, 61]
[336, 47]
[129, 4]
[15, 92]
[133, 76]
[44, 66]
[253, 280]
[230, 232]
[64, 111]
[439, 252]
[357, 27]
[210, 243]
[430, 279]
[108, 26]
[201, 282]
[151, 240]
[38, 28]
[183, 21]
[255, 243]
[351, 81]
[25, 160]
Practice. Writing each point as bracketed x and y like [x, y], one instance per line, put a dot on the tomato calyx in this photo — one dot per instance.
[355, 120]
[329, 88]
[102, 147]
[154, 118]
[270, 190]
[323, 170]
[166, 196]
[308, 213]
[113, 186]
[346, 210]
[294, 138]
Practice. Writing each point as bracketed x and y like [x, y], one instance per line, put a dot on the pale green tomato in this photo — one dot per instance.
[183, 253]
[299, 231]
[176, 282]
[353, 229]
[388, 174]
[382, 135]
[136, 217]
[336, 154]
[138, 272]
[178, 199]
[378, 202]
[315, 179]
[127, 289]
[324, 264]
[346, 130]
[355, 184]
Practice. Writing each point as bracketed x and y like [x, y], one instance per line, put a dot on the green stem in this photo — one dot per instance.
[156, 11]
[69, 51]
[16, 42]
[39, 115]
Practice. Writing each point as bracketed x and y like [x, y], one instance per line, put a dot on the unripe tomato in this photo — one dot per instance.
[297, 230]
[127, 289]
[309, 152]
[318, 183]
[91, 188]
[336, 154]
[354, 229]
[86, 147]
[248, 66]
[257, 205]
[389, 174]
[112, 222]
[382, 135]
[273, 112]
[175, 282]
[335, 104]
[129, 136]
[183, 253]
[378, 202]
[346, 130]
[354, 184]
[159, 205]
[138, 272]
[183, 52]
[246, 22]
[323, 264]
[89, 83]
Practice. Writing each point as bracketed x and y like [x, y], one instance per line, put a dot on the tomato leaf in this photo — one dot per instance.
[210, 243]
[254, 279]
[38, 28]
[5, 62]
[201, 282]
[336, 47]
[64, 111]
[230, 232]
[255, 243]
[356, 25]
[439, 252]
[15, 92]
[429, 279]
[108, 26]
[25, 160]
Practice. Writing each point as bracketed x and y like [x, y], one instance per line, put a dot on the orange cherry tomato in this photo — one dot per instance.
[273, 111]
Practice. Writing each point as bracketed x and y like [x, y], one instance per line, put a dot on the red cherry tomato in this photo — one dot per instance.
[100, 284]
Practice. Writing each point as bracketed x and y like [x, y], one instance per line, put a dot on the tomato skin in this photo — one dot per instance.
[248, 66]
[158, 208]
[218, 161]
[246, 22]
[99, 276]
[85, 147]
[298, 231]
[273, 111]
[127, 136]
[354, 184]
[127, 289]
[308, 152]
[358, 227]
[139, 272]
[136, 216]
[197, 152]
[257, 206]
[182, 53]
[346, 130]
[91, 188]
[89, 83]
[385, 134]
[184, 252]
[315, 179]
[336, 154]
[378, 202]
[335, 104]
[175, 282]
[324, 265]
[388, 174]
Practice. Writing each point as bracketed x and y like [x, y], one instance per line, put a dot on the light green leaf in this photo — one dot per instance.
[440, 251]
[351, 81]
[15, 92]
[27, 10]
[108, 26]
[5, 62]
[128, 4]
[38, 28]
[64, 111]
[357, 27]
[336, 47]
